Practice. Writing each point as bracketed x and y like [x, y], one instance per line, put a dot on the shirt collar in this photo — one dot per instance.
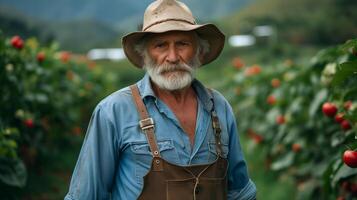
[145, 88]
[202, 92]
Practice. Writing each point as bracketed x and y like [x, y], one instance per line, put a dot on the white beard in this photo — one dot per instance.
[171, 76]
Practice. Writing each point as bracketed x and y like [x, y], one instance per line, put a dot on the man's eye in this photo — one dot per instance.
[183, 43]
[160, 45]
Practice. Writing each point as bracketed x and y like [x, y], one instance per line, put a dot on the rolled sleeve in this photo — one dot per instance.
[249, 192]
[68, 197]
[240, 186]
[95, 168]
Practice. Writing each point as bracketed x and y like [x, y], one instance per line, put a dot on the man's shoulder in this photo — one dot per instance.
[119, 98]
[205, 93]
[221, 103]
[218, 97]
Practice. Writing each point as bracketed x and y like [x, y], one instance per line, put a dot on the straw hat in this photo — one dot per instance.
[171, 15]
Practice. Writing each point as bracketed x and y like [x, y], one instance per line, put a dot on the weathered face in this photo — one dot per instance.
[172, 47]
[171, 59]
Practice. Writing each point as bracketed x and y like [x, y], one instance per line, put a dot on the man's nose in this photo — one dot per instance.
[172, 56]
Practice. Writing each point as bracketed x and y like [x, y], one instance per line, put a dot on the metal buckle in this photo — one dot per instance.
[216, 126]
[146, 123]
[215, 120]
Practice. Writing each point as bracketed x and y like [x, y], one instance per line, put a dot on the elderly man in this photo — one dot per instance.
[167, 136]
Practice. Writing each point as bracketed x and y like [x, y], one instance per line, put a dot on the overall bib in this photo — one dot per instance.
[166, 181]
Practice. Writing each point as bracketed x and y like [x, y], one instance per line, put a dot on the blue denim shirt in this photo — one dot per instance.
[115, 154]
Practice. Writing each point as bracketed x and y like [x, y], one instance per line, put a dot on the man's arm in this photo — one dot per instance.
[240, 187]
[95, 169]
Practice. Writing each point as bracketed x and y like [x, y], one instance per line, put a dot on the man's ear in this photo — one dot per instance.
[201, 55]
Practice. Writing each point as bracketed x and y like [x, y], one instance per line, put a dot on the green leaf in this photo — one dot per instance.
[343, 172]
[328, 174]
[283, 162]
[42, 98]
[344, 71]
[13, 172]
[349, 44]
[318, 99]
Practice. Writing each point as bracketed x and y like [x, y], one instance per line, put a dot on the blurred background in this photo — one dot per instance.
[289, 69]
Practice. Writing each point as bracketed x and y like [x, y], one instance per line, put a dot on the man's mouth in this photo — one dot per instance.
[173, 71]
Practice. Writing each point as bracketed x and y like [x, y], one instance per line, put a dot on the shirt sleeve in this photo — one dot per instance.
[240, 186]
[95, 168]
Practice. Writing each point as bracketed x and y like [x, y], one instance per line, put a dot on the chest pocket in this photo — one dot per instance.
[213, 151]
[143, 155]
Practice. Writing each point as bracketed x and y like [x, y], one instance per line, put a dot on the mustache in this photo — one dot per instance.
[173, 67]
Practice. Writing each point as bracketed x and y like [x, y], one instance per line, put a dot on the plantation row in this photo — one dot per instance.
[304, 119]
[45, 96]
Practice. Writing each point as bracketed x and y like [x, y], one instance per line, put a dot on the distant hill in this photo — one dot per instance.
[15, 23]
[77, 36]
[84, 24]
[84, 35]
[114, 12]
[299, 21]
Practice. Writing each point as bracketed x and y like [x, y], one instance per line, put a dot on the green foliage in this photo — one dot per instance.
[46, 97]
[279, 107]
[12, 172]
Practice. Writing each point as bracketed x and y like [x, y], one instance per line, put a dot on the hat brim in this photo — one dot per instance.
[208, 32]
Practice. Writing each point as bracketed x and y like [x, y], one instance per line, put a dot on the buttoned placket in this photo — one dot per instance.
[203, 119]
[155, 174]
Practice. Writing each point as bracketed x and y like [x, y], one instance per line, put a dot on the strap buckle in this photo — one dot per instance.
[146, 123]
[215, 123]
[216, 126]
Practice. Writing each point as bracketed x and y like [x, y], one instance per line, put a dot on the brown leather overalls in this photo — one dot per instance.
[166, 181]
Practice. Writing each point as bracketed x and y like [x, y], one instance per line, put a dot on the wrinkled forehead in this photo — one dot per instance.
[172, 36]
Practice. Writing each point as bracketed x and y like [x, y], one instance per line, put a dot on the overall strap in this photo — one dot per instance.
[147, 126]
[216, 126]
